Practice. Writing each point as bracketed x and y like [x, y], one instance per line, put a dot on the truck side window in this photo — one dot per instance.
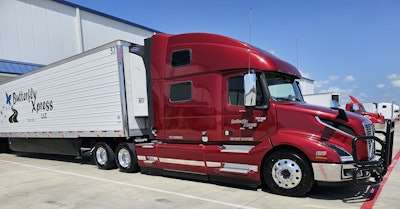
[236, 92]
[181, 58]
[180, 92]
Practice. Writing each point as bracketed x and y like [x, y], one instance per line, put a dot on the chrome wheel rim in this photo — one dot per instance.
[286, 173]
[101, 156]
[124, 157]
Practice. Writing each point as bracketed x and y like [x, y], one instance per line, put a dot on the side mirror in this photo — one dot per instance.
[334, 104]
[250, 90]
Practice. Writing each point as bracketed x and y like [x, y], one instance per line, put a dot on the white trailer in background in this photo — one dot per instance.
[371, 107]
[389, 110]
[322, 99]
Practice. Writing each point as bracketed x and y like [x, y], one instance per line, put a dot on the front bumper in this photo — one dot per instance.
[360, 172]
[379, 126]
[332, 172]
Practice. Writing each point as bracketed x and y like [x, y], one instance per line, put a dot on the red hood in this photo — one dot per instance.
[354, 100]
[299, 116]
[374, 117]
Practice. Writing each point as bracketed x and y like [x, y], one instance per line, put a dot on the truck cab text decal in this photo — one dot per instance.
[245, 123]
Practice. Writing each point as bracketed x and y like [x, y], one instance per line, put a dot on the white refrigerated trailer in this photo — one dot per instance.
[101, 93]
[322, 99]
[371, 107]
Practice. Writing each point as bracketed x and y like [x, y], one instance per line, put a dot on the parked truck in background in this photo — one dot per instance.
[389, 110]
[322, 99]
[370, 106]
[384, 108]
[357, 107]
[197, 105]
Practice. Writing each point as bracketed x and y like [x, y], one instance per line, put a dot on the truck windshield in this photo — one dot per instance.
[363, 108]
[283, 88]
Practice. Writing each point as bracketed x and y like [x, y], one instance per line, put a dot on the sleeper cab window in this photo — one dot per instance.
[181, 58]
[180, 92]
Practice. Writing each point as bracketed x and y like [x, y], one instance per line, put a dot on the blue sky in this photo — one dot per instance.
[346, 46]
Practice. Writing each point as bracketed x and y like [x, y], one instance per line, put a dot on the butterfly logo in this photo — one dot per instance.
[8, 99]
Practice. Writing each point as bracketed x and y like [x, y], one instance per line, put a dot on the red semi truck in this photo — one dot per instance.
[357, 107]
[197, 105]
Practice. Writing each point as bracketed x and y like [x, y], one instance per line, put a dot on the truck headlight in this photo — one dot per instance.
[341, 152]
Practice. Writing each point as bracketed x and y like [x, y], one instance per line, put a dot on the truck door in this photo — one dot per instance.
[240, 123]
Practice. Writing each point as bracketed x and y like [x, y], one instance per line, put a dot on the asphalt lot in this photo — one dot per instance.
[48, 181]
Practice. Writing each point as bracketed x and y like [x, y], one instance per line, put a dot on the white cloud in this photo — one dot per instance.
[338, 90]
[394, 79]
[349, 78]
[363, 95]
[333, 77]
[393, 76]
[319, 84]
[380, 86]
[396, 83]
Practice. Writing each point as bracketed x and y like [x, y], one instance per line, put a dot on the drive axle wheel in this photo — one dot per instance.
[103, 156]
[288, 172]
[126, 158]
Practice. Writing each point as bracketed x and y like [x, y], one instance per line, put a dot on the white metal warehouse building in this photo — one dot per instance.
[34, 33]
[39, 32]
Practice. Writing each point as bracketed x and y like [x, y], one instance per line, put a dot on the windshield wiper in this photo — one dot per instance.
[290, 98]
[283, 99]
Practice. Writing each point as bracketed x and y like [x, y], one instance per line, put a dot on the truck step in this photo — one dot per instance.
[234, 170]
[238, 168]
[236, 148]
[149, 161]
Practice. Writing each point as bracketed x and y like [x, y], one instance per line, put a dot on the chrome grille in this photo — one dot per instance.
[370, 131]
[371, 148]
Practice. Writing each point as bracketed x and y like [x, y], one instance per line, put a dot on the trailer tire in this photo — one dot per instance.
[288, 172]
[104, 156]
[126, 158]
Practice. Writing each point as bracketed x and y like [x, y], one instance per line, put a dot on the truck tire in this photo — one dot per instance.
[103, 156]
[287, 172]
[126, 158]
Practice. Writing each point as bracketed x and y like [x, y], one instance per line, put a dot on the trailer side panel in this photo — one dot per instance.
[76, 97]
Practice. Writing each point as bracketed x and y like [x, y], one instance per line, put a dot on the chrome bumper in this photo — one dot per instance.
[379, 126]
[336, 172]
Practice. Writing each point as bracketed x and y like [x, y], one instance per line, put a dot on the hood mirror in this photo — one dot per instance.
[334, 104]
[341, 113]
